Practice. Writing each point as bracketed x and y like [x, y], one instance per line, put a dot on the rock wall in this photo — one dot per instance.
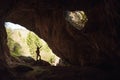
[95, 44]
[5, 6]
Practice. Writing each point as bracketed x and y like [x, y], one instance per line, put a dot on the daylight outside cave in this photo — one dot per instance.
[77, 19]
[23, 42]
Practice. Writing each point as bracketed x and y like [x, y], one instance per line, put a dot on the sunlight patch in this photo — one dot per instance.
[23, 42]
[14, 26]
[77, 19]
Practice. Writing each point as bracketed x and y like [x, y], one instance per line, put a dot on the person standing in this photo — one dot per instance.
[38, 57]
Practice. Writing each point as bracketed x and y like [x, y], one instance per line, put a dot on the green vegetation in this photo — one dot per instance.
[24, 43]
[77, 19]
[14, 47]
[32, 43]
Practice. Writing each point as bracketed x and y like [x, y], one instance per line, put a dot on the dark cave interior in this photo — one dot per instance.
[91, 52]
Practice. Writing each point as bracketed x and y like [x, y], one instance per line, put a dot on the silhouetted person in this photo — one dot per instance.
[38, 54]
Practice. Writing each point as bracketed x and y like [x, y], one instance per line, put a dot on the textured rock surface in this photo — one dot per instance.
[93, 45]
[97, 44]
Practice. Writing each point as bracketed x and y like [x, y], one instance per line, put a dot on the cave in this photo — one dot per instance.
[88, 53]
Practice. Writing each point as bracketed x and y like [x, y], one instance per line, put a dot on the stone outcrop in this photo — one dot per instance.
[95, 45]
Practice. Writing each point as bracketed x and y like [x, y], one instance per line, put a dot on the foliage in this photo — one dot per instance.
[33, 41]
[15, 48]
[77, 19]
[21, 45]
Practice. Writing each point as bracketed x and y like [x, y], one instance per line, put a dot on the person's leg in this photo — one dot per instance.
[37, 57]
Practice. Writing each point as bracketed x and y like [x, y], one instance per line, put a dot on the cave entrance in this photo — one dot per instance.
[23, 45]
[77, 19]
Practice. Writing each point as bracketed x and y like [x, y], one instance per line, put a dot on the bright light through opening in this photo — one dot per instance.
[14, 26]
[23, 42]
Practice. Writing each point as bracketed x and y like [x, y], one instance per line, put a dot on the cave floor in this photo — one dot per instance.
[44, 71]
[22, 72]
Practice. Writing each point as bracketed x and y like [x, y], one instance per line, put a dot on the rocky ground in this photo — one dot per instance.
[41, 70]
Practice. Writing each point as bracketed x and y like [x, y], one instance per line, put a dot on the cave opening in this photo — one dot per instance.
[76, 18]
[23, 45]
[93, 51]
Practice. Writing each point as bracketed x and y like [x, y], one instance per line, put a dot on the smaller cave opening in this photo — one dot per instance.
[27, 47]
[77, 19]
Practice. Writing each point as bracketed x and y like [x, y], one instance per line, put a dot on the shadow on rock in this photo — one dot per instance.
[41, 63]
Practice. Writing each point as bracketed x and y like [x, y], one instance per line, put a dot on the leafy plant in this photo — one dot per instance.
[27, 45]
